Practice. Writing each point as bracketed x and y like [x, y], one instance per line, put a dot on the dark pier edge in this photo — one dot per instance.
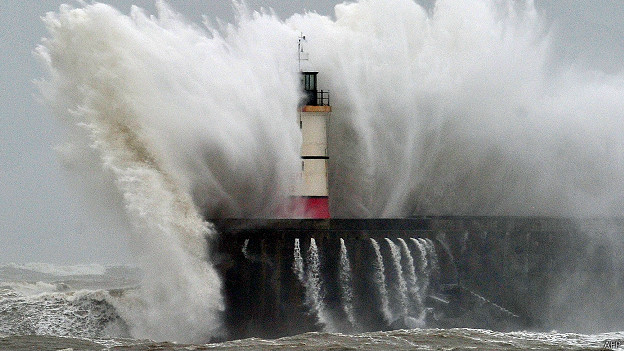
[500, 273]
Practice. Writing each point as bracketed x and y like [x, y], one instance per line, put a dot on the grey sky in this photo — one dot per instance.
[43, 220]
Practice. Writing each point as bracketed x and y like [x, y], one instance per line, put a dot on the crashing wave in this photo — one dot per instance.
[88, 314]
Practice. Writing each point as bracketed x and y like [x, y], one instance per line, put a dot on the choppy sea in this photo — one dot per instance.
[48, 307]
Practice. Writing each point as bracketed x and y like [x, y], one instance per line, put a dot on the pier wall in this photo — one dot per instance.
[500, 273]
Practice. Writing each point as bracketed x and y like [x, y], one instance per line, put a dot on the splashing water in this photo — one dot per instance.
[433, 255]
[412, 286]
[401, 285]
[425, 271]
[422, 248]
[457, 112]
[453, 111]
[314, 287]
[244, 249]
[87, 314]
[380, 282]
[106, 99]
[346, 288]
[298, 262]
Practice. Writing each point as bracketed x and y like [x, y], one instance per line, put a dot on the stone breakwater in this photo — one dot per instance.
[500, 273]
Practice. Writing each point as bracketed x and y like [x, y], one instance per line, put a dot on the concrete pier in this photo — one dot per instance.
[500, 273]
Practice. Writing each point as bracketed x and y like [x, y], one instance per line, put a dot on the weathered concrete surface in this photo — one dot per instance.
[495, 272]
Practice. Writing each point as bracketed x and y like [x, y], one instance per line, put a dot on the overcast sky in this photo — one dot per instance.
[43, 220]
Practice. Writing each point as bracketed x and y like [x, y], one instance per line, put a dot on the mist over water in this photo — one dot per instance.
[453, 111]
[103, 67]
[456, 112]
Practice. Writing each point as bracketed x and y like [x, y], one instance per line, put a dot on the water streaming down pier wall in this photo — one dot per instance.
[500, 273]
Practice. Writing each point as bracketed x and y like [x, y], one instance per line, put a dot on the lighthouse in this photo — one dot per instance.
[314, 114]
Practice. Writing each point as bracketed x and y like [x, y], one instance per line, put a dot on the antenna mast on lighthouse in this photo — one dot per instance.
[302, 56]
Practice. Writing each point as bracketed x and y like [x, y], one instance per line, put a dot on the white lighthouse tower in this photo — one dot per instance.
[314, 114]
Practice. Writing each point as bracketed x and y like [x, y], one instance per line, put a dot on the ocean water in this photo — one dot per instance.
[48, 307]
[450, 111]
